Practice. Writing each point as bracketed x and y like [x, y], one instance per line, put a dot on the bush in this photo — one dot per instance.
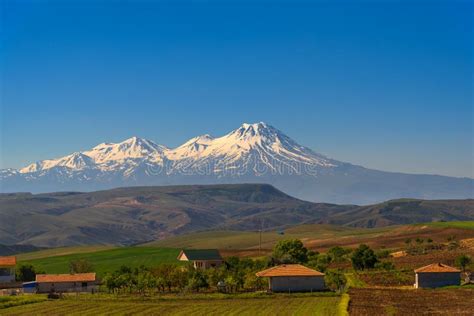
[335, 280]
[386, 265]
[463, 261]
[363, 258]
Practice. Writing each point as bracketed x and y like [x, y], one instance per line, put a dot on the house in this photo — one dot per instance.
[201, 258]
[293, 278]
[79, 282]
[7, 269]
[436, 275]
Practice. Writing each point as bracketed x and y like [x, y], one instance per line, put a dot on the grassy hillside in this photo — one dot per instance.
[130, 215]
[104, 260]
[319, 237]
[405, 211]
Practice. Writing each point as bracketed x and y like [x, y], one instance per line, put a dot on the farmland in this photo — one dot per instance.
[318, 237]
[231, 305]
[102, 260]
[410, 302]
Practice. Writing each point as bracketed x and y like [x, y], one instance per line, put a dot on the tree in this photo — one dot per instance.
[363, 258]
[290, 251]
[463, 261]
[197, 281]
[335, 280]
[145, 282]
[26, 273]
[254, 282]
[338, 254]
[80, 266]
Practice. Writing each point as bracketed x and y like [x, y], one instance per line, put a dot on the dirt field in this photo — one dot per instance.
[447, 257]
[411, 302]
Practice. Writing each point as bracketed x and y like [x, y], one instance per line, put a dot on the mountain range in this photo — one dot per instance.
[252, 153]
[139, 214]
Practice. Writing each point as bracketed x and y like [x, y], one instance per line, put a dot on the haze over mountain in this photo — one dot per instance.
[252, 153]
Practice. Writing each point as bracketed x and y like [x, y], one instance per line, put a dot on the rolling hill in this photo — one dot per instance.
[126, 216]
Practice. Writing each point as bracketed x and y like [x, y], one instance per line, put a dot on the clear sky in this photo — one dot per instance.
[383, 84]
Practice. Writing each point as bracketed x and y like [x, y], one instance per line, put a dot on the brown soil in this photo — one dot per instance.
[411, 302]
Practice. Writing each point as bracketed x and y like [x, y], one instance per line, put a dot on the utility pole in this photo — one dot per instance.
[260, 244]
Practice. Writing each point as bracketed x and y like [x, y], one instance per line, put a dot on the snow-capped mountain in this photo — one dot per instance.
[251, 153]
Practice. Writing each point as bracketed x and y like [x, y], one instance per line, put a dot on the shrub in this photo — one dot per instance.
[363, 258]
[335, 280]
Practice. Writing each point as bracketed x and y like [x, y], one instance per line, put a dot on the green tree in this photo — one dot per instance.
[335, 280]
[338, 254]
[197, 281]
[254, 282]
[363, 258]
[463, 261]
[80, 266]
[26, 273]
[290, 251]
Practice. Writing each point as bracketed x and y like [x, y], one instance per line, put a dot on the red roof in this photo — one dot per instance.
[436, 268]
[8, 261]
[57, 278]
[289, 270]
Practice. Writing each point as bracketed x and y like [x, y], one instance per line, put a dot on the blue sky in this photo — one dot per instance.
[384, 84]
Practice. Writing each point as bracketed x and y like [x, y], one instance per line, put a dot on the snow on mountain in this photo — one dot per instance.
[251, 153]
[132, 148]
[252, 148]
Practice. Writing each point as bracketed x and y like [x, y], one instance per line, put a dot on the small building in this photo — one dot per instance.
[7, 269]
[293, 278]
[201, 258]
[79, 282]
[437, 275]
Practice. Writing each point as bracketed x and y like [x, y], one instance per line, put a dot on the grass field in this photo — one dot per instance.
[228, 240]
[61, 251]
[105, 260]
[318, 237]
[271, 305]
[462, 225]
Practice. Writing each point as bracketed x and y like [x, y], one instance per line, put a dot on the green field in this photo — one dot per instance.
[103, 260]
[460, 224]
[245, 239]
[234, 305]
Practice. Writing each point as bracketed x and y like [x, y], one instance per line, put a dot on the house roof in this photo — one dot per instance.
[78, 277]
[8, 261]
[289, 270]
[436, 268]
[200, 254]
